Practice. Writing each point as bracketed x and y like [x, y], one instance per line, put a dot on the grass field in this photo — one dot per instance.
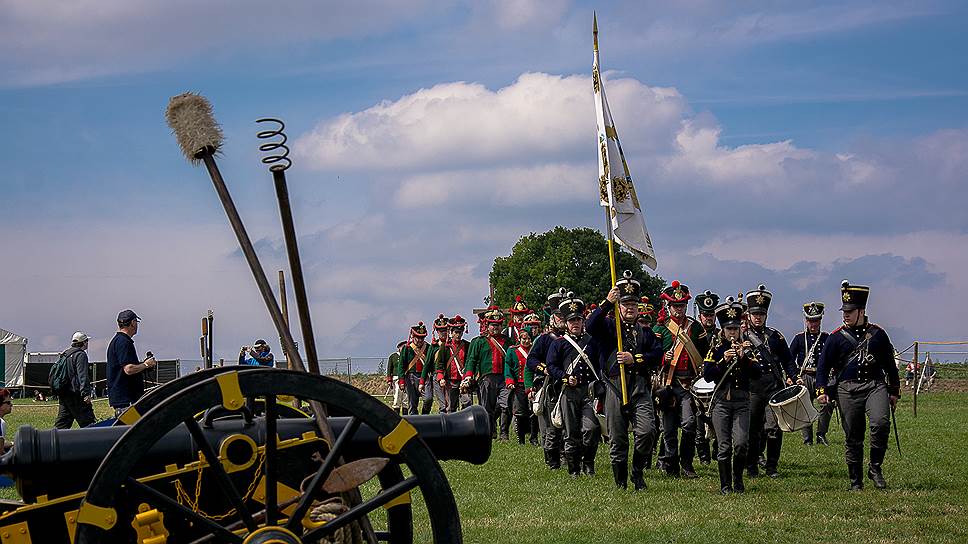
[514, 498]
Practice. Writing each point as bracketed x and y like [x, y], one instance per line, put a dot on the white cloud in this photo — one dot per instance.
[538, 117]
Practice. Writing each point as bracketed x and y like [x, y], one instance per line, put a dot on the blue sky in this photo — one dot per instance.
[790, 144]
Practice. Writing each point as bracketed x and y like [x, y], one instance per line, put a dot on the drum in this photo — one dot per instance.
[793, 408]
[702, 391]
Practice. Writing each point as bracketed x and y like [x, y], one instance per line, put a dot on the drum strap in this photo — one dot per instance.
[683, 341]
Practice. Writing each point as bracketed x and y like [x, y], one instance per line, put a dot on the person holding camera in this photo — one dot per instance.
[126, 381]
[257, 355]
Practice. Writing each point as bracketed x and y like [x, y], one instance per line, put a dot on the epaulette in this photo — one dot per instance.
[838, 329]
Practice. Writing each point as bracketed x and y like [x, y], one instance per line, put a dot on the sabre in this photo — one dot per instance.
[897, 440]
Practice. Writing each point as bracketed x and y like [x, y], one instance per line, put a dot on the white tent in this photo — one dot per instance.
[13, 349]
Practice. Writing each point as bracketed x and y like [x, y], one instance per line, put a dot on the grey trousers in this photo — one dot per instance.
[518, 402]
[639, 414]
[412, 383]
[70, 407]
[857, 400]
[763, 425]
[827, 410]
[581, 431]
[490, 388]
[731, 420]
[675, 417]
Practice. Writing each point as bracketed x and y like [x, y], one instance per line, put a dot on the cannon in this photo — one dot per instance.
[190, 462]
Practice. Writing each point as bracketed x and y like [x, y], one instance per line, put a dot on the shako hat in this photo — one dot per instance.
[518, 306]
[676, 293]
[457, 322]
[493, 315]
[646, 309]
[854, 297]
[532, 320]
[628, 288]
[554, 299]
[758, 300]
[813, 310]
[571, 307]
[707, 302]
[730, 313]
[441, 323]
[418, 330]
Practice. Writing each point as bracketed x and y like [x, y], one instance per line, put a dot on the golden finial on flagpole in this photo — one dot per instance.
[595, 28]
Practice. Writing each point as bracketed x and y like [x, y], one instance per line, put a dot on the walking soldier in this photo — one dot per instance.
[485, 359]
[774, 358]
[533, 321]
[683, 339]
[706, 304]
[573, 361]
[860, 357]
[515, 364]
[428, 385]
[450, 370]
[731, 365]
[393, 375]
[413, 357]
[806, 347]
[546, 391]
[641, 355]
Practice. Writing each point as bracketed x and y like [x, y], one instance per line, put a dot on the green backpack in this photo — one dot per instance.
[59, 378]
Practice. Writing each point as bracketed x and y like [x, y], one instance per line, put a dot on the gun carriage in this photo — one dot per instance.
[151, 480]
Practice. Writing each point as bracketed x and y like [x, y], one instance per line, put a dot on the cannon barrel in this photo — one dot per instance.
[61, 462]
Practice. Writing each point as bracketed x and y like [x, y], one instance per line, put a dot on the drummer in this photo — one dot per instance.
[774, 360]
[805, 348]
[730, 364]
[706, 304]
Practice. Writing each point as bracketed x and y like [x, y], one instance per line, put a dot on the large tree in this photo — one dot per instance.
[576, 259]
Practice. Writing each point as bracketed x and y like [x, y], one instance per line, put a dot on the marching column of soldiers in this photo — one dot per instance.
[574, 377]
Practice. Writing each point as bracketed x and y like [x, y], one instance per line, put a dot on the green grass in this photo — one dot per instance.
[514, 498]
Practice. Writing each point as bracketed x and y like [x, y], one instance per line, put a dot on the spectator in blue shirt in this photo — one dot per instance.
[258, 355]
[126, 381]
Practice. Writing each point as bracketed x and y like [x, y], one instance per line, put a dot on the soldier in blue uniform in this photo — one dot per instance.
[731, 364]
[547, 391]
[641, 355]
[774, 360]
[706, 304]
[806, 347]
[573, 361]
[860, 359]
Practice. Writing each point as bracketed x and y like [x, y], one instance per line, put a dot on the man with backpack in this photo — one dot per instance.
[72, 384]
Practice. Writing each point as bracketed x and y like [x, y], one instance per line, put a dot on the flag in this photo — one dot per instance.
[615, 182]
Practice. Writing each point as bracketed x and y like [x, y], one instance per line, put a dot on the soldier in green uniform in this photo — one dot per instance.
[393, 367]
[683, 339]
[485, 360]
[428, 385]
[706, 304]
[413, 357]
[451, 358]
[533, 321]
[517, 313]
[515, 365]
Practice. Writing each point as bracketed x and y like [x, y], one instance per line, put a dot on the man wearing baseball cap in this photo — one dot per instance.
[74, 402]
[126, 382]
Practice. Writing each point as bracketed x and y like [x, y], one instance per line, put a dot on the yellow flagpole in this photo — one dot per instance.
[611, 257]
[618, 317]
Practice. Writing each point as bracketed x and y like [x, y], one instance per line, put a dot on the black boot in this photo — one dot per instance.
[588, 461]
[521, 422]
[574, 464]
[505, 424]
[773, 446]
[687, 451]
[725, 478]
[533, 422]
[822, 439]
[874, 470]
[639, 463]
[856, 476]
[620, 471]
[738, 462]
[553, 458]
[702, 449]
